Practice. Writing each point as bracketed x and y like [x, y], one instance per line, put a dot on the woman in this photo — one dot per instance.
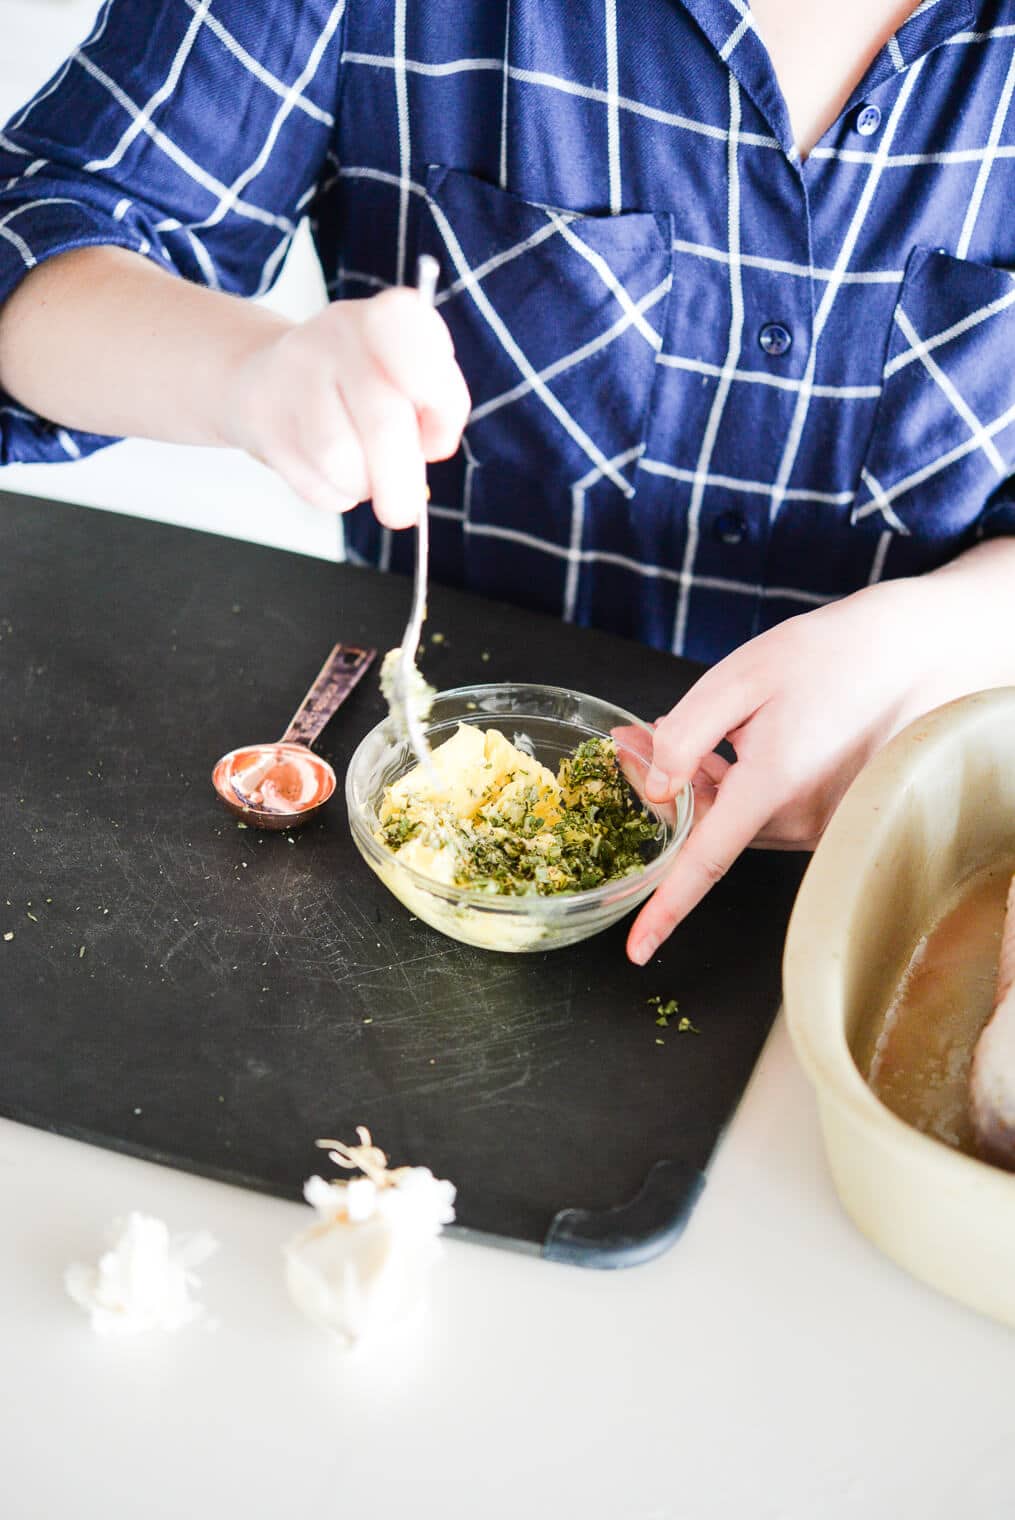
[728, 286]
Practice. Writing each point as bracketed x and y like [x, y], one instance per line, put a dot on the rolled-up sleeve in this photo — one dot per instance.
[192, 135]
[998, 517]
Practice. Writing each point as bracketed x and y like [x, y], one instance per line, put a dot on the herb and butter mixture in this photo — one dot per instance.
[418, 696]
[495, 819]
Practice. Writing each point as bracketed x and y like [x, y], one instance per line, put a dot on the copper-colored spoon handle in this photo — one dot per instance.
[340, 672]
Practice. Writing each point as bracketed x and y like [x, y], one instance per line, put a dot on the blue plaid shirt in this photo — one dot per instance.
[713, 386]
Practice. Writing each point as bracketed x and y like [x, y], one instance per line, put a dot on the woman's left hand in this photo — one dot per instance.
[804, 706]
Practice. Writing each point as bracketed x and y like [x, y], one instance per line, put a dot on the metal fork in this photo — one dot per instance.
[427, 273]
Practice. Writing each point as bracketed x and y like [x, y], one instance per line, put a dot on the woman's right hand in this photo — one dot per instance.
[351, 404]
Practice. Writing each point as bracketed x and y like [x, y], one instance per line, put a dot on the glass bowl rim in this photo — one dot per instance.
[530, 904]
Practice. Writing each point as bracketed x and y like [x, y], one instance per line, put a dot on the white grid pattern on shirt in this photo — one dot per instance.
[182, 160]
[965, 324]
[13, 238]
[722, 389]
[141, 117]
[614, 286]
[141, 121]
[510, 346]
[541, 77]
[256, 68]
[743, 26]
[231, 197]
[880, 161]
[934, 467]
[576, 356]
[96, 34]
[829, 294]
[505, 82]
[404, 138]
[879, 503]
[986, 163]
[579, 492]
[613, 109]
[638, 567]
[955, 399]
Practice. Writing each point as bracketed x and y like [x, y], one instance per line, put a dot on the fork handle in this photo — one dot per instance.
[344, 667]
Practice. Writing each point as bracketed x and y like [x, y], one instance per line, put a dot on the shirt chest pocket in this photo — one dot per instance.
[944, 429]
[557, 320]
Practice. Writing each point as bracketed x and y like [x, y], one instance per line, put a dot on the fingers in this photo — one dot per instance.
[404, 396]
[387, 435]
[411, 346]
[315, 489]
[719, 703]
[351, 404]
[327, 467]
[739, 812]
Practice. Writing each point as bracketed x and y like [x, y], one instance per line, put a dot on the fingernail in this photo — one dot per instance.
[644, 950]
[657, 780]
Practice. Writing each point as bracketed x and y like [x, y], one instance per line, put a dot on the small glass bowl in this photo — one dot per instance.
[555, 722]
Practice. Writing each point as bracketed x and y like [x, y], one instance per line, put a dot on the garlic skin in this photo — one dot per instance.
[364, 1264]
[144, 1281]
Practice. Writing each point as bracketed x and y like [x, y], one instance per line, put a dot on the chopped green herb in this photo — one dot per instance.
[665, 1011]
[596, 831]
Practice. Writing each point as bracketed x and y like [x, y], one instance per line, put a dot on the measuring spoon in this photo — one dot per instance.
[282, 785]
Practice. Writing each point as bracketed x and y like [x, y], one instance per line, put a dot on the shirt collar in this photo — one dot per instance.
[729, 27]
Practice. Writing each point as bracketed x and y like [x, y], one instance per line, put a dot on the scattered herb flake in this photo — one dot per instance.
[664, 1011]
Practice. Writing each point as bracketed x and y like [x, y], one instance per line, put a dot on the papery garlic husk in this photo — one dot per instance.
[364, 1265]
[144, 1281]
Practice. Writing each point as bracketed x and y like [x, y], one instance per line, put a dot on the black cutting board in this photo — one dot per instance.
[215, 998]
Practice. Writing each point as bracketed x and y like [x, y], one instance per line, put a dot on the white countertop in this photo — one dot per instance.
[771, 1366]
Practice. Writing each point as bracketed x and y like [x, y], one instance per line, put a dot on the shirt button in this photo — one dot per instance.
[868, 119]
[730, 527]
[775, 339]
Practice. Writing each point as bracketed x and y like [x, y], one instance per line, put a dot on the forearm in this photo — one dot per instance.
[973, 609]
[102, 340]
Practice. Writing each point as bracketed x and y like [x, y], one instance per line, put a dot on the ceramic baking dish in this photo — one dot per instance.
[933, 807]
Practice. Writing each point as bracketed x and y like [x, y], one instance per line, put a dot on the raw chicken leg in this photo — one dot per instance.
[992, 1079]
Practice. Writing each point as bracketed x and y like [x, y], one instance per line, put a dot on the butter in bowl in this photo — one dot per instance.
[533, 833]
